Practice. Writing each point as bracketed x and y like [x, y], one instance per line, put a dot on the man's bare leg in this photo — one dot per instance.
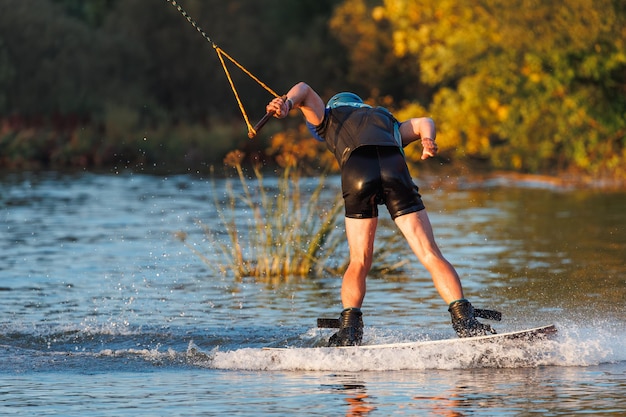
[360, 234]
[418, 232]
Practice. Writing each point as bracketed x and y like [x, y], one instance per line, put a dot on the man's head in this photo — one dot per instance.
[344, 99]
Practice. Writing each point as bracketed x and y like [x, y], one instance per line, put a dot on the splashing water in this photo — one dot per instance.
[572, 346]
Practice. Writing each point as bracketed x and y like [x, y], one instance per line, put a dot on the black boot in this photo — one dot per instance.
[351, 329]
[464, 320]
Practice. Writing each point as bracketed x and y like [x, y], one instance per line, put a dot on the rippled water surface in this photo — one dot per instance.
[105, 312]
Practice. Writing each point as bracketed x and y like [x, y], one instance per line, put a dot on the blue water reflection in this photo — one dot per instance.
[97, 292]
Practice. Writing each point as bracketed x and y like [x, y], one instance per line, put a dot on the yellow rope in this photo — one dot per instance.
[221, 54]
[221, 51]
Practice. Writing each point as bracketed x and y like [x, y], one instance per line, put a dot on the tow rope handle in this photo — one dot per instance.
[259, 125]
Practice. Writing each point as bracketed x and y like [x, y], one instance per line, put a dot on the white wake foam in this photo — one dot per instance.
[572, 346]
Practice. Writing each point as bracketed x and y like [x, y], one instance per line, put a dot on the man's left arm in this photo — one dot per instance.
[420, 128]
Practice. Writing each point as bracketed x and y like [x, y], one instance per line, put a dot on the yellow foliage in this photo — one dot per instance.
[522, 82]
[399, 43]
[291, 146]
[378, 13]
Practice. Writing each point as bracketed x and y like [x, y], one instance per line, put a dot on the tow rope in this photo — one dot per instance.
[252, 130]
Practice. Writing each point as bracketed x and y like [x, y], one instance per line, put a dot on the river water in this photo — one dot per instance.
[105, 312]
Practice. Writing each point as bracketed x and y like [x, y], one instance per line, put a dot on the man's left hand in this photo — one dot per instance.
[429, 148]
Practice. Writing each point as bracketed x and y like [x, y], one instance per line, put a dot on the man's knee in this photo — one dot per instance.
[361, 263]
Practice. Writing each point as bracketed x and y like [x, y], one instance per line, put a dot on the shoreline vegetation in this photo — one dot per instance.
[130, 85]
[199, 151]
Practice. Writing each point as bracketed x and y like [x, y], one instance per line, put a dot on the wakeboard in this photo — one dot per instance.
[526, 335]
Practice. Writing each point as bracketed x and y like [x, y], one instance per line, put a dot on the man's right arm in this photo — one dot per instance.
[303, 97]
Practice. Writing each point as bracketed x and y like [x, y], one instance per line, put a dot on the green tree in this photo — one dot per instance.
[60, 66]
[93, 12]
[125, 70]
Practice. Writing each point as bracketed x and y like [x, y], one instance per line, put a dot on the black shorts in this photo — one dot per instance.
[376, 175]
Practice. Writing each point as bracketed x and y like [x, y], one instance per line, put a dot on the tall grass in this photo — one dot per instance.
[273, 231]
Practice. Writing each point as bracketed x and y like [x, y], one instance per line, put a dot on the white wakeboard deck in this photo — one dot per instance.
[538, 333]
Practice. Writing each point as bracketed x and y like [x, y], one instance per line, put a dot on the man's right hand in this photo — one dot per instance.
[279, 106]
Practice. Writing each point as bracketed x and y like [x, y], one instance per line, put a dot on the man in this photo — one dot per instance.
[367, 143]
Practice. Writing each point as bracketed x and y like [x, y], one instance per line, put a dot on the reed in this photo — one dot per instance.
[272, 230]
